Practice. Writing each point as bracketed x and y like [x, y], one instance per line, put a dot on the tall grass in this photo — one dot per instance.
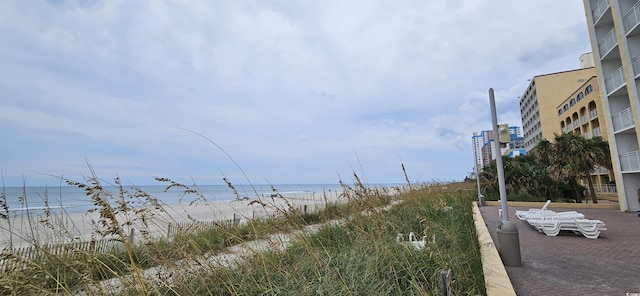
[361, 256]
[345, 248]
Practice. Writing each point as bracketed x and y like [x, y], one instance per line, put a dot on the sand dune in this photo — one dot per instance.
[23, 230]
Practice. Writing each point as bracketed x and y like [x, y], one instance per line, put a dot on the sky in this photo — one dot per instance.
[280, 92]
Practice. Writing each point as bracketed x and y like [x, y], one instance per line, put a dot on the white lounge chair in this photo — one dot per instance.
[551, 227]
[543, 213]
[551, 223]
[522, 214]
[553, 215]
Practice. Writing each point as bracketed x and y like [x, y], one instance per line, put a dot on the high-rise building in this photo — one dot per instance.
[485, 149]
[576, 111]
[614, 30]
[539, 101]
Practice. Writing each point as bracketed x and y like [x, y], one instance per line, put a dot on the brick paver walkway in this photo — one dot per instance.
[570, 264]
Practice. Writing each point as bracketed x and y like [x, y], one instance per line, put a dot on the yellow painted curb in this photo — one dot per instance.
[537, 205]
[496, 278]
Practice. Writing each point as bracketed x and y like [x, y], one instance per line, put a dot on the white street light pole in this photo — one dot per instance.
[499, 165]
[475, 160]
[507, 232]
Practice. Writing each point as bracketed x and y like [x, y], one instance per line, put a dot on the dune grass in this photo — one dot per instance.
[361, 256]
[358, 255]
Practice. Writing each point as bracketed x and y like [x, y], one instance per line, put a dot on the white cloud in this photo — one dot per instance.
[292, 90]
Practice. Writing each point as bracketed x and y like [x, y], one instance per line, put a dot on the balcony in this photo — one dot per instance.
[630, 161]
[576, 124]
[632, 17]
[622, 120]
[596, 132]
[583, 119]
[587, 135]
[614, 81]
[599, 9]
[608, 42]
[605, 189]
[593, 114]
[635, 61]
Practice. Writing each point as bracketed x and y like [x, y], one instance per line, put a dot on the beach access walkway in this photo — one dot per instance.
[570, 264]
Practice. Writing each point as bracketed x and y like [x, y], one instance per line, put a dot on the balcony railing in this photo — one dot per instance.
[608, 42]
[632, 17]
[600, 8]
[605, 189]
[587, 135]
[630, 161]
[593, 113]
[583, 119]
[635, 61]
[576, 124]
[596, 132]
[622, 120]
[614, 81]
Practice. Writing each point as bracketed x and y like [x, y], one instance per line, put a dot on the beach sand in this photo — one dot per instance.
[23, 231]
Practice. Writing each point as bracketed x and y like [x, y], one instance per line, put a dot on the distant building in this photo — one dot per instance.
[485, 149]
[578, 114]
[566, 102]
[539, 101]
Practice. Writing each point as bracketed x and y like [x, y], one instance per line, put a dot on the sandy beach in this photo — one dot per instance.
[22, 231]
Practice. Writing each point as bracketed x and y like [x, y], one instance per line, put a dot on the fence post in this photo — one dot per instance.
[131, 234]
[236, 219]
[445, 277]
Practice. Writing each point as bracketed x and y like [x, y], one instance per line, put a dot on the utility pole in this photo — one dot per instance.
[475, 160]
[507, 232]
[498, 150]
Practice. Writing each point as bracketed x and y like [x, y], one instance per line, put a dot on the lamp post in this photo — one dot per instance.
[507, 232]
[475, 160]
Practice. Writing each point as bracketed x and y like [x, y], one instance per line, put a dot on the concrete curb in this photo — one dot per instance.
[496, 278]
[537, 205]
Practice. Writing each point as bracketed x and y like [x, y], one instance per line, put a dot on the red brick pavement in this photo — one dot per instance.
[570, 264]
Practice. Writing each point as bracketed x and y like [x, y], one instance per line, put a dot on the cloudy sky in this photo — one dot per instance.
[294, 91]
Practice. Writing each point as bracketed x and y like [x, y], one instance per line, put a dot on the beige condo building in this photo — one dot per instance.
[614, 31]
[539, 102]
[580, 113]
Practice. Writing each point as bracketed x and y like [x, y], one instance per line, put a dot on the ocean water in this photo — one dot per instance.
[72, 199]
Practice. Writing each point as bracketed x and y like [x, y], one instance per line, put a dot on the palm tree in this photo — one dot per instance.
[595, 154]
[570, 156]
[565, 167]
[543, 152]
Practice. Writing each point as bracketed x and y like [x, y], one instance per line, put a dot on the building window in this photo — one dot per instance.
[573, 102]
[559, 112]
[580, 96]
[588, 90]
[565, 108]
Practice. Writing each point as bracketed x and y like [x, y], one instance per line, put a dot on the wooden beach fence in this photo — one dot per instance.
[195, 226]
[15, 258]
[12, 258]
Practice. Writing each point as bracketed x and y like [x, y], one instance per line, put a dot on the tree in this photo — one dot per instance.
[595, 154]
[524, 176]
[570, 156]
